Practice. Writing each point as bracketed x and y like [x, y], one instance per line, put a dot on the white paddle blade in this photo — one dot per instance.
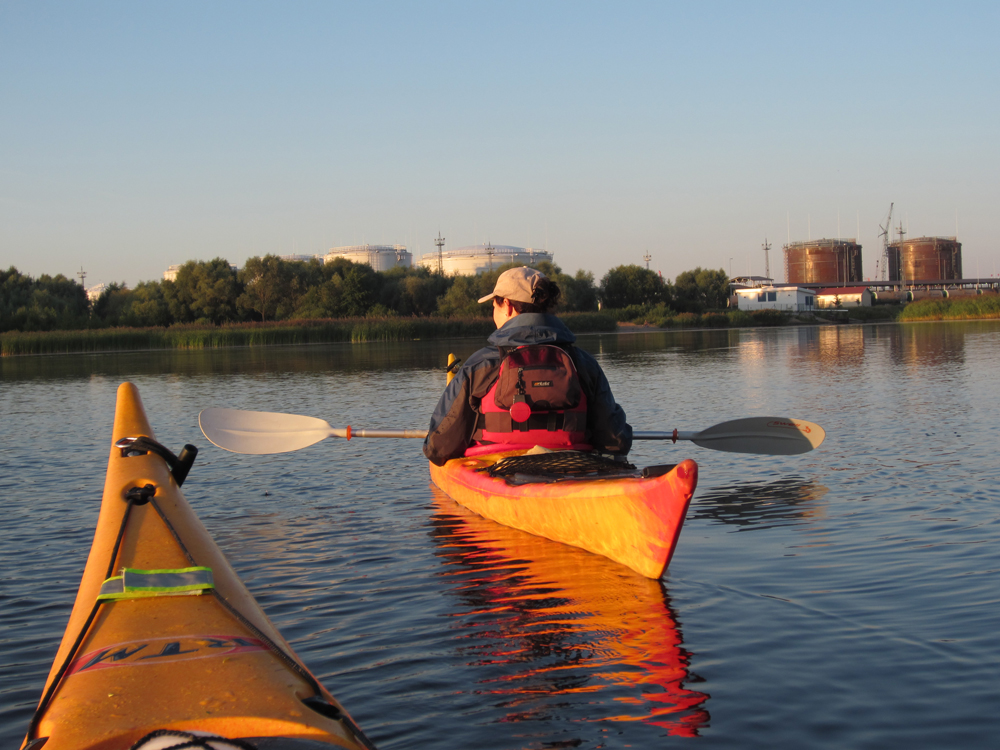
[773, 436]
[260, 432]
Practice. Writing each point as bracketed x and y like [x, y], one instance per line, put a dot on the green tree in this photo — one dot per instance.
[580, 293]
[203, 292]
[633, 285]
[338, 289]
[322, 299]
[577, 293]
[461, 299]
[412, 291]
[360, 290]
[148, 306]
[701, 289]
[141, 307]
[15, 299]
[268, 285]
[110, 307]
[43, 304]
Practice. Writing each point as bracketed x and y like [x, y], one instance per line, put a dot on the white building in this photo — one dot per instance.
[840, 297]
[96, 291]
[475, 259]
[379, 257]
[785, 298]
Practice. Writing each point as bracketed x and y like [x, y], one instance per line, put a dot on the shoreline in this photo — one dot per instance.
[215, 338]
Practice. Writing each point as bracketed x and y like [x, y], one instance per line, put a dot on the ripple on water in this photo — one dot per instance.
[844, 598]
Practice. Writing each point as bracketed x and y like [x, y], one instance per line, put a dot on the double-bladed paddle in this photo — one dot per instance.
[261, 432]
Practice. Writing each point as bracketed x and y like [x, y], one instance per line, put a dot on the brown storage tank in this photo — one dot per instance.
[822, 262]
[925, 259]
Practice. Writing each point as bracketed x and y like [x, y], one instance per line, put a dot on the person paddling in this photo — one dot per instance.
[531, 386]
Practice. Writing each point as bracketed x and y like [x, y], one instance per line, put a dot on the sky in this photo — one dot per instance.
[134, 136]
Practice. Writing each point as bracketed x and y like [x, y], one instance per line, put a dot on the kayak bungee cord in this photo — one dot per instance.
[136, 495]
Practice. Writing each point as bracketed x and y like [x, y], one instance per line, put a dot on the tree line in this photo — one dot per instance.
[269, 289]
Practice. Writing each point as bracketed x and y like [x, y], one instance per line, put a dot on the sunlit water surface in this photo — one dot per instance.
[843, 598]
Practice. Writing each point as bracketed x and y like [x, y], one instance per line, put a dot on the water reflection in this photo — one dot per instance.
[920, 344]
[367, 357]
[833, 345]
[546, 620]
[761, 505]
[690, 342]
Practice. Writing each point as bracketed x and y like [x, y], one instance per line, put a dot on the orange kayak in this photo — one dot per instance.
[164, 639]
[634, 520]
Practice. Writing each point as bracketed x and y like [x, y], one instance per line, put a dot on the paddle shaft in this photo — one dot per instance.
[674, 436]
[353, 432]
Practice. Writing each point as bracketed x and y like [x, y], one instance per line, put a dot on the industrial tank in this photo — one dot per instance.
[925, 259]
[379, 257]
[822, 262]
[469, 261]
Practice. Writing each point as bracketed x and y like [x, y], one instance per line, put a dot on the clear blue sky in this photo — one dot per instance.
[136, 135]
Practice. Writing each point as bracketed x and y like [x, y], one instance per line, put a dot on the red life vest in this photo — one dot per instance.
[536, 400]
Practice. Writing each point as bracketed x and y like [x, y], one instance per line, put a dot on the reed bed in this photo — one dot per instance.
[354, 330]
[983, 307]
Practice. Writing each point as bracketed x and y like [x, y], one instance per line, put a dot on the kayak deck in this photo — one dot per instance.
[206, 659]
[633, 520]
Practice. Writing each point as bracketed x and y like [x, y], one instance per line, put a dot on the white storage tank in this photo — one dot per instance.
[475, 259]
[379, 257]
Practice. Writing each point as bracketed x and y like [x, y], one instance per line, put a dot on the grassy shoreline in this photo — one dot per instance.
[982, 307]
[359, 330]
[286, 333]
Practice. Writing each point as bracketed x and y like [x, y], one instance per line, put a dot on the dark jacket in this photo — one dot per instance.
[454, 420]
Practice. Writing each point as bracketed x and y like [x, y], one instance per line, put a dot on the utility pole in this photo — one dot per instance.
[83, 277]
[902, 234]
[440, 244]
[647, 257]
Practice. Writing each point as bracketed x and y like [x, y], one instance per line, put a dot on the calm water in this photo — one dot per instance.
[844, 598]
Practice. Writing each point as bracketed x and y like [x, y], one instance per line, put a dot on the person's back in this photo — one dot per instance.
[479, 414]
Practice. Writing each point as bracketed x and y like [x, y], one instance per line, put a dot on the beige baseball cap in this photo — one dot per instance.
[516, 284]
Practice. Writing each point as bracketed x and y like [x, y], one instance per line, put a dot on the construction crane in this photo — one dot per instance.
[882, 264]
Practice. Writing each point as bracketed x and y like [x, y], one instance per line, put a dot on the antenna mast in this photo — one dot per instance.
[767, 259]
[440, 244]
[83, 277]
[647, 257]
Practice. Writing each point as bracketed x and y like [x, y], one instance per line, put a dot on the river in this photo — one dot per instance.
[846, 597]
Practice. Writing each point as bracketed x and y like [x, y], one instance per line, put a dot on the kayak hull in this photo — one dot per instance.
[635, 521]
[208, 661]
